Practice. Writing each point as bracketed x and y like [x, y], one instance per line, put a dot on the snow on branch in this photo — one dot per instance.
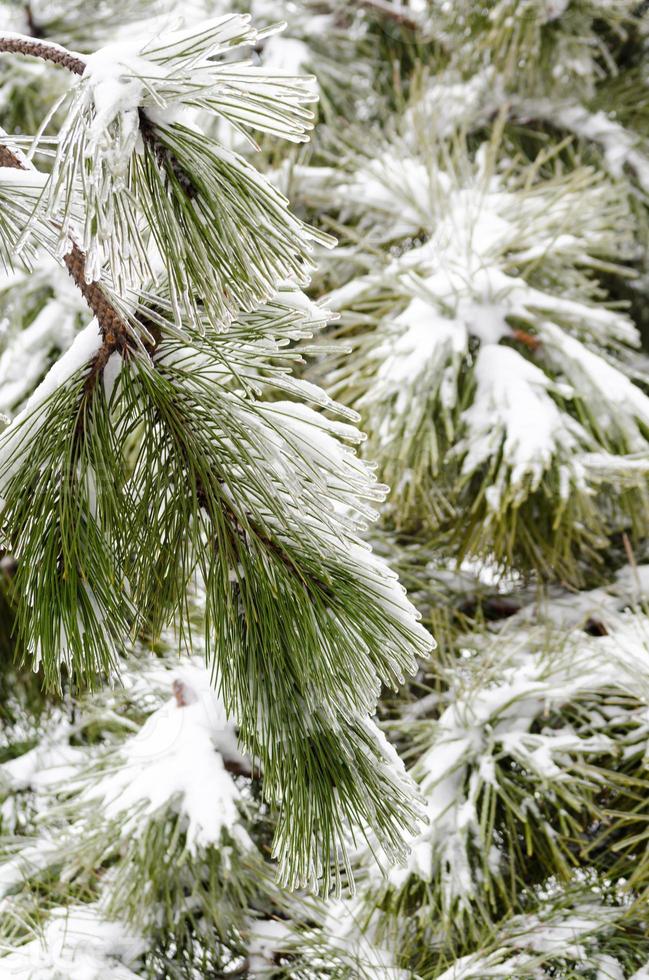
[519, 729]
[487, 301]
[132, 135]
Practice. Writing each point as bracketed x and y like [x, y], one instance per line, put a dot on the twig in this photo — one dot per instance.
[57, 55]
[114, 329]
[400, 14]
[529, 340]
[45, 50]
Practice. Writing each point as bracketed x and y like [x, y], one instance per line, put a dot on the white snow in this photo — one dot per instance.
[451, 103]
[423, 342]
[47, 764]
[286, 54]
[569, 610]
[513, 412]
[25, 358]
[396, 190]
[352, 939]
[28, 860]
[116, 91]
[616, 404]
[77, 943]
[555, 8]
[15, 440]
[467, 281]
[81, 351]
[526, 943]
[620, 146]
[30, 179]
[177, 759]
[516, 683]
[266, 938]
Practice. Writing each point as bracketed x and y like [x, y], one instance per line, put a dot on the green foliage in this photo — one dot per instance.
[177, 481]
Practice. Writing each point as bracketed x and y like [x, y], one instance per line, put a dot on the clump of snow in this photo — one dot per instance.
[513, 412]
[619, 407]
[266, 939]
[353, 942]
[177, 759]
[451, 103]
[116, 91]
[26, 351]
[28, 860]
[78, 942]
[29, 179]
[81, 351]
[286, 54]
[526, 944]
[396, 190]
[430, 344]
[47, 764]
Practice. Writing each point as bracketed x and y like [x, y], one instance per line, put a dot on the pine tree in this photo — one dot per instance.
[208, 662]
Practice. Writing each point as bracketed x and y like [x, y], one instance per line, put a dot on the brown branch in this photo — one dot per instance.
[53, 53]
[529, 340]
[114, 329]
[399, 14]
[9, 159]
[34, 29]
[57, 55]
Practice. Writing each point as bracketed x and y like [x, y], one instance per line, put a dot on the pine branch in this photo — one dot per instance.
[115, 331]
[397, 13]
[224, 231]
[46, 51]
[34, 29]
[57, 55]
[188, 471]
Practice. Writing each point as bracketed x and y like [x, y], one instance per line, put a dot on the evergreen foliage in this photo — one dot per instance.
[253, 274]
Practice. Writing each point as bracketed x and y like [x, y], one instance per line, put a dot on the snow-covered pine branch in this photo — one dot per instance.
[151, 179]
[175, 478]
[150, 458]
[486, 368]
